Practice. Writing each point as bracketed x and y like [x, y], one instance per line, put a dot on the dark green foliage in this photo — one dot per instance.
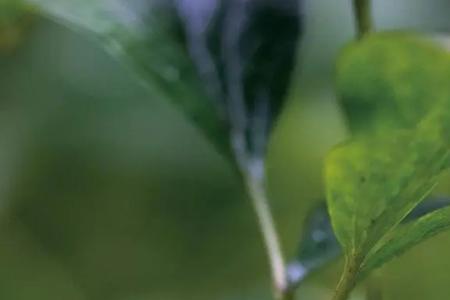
[317, 248]
[147, 38]
[226, 65]
[319, 243]
[245, 53]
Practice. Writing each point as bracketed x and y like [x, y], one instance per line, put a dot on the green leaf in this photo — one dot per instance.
[319, 246]
[392, 80]
[232, 88]
[431, 204]
[394, 92]
[374, 182]
[405, 237]
[145, 36]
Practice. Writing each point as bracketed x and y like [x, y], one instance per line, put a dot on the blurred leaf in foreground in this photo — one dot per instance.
[318, 246]
[226, 64]
[245, 53]
[146, 37]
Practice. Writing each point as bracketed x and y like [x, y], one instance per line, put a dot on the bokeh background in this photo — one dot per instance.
[108, 193]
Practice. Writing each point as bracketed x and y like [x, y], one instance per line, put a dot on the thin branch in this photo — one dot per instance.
[363, 16]
[348, 279]
[257, 192]
[252, 167]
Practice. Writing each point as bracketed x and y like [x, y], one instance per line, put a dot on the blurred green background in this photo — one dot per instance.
[106, 193]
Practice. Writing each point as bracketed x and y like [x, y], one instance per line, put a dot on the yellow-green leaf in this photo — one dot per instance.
[392, 80]
[405, 237]
[373, 182]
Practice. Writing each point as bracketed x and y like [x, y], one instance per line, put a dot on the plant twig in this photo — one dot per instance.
[347, 281]
[363, 16]
[252, 168]
[257, 192]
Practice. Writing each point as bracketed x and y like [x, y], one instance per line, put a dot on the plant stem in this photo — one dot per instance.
[347, 281]
[253, 171]
[257, 191]
[363, 16]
